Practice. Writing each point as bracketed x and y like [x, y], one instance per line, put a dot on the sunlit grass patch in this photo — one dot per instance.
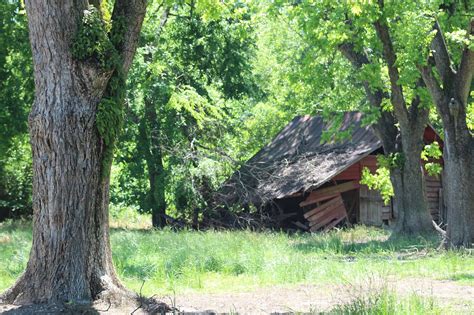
[386, 302]
[166, 261]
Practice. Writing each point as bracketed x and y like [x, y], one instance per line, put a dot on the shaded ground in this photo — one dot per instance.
[455, 298]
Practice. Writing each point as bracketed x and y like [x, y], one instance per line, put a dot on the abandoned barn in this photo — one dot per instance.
[302, 181]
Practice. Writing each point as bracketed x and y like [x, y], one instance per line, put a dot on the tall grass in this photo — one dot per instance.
[386, 302]
[167, 261]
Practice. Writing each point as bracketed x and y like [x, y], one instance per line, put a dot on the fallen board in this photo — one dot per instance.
[318, 216]
[327, 192]
[335, 214]
[310, 200]
[323, 206]
[327, 215]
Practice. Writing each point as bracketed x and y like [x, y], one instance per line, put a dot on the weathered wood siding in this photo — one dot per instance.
[434, 190]
[372, 210]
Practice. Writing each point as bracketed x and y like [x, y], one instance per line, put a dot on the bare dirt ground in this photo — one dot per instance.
[314, 298]
[288, 300]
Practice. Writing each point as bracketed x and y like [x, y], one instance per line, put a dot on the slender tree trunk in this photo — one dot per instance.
[154, 158]
[157, 195]
[70, 259]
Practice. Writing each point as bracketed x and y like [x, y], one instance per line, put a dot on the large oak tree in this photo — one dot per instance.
[81, 60]
[450, 85]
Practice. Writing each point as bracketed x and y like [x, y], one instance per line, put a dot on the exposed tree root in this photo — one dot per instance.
[14, 293]
[111, 296]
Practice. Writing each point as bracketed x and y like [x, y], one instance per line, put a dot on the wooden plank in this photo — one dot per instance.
[371, 206]
[318, 216]
[311, 201]
[323, 216]
[322, 207]
[333, 223]
[433, 184]
[338, 213]
[328, 217]
[329, 205]
[331, 190]
[372, 198]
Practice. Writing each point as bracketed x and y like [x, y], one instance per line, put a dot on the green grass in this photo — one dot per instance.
[387, 302]
[213, 261]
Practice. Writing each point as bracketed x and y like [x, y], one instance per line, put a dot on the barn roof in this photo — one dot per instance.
[297, 159]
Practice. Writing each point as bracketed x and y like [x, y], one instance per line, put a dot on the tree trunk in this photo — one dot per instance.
[70, 259]
[407, 179]
[410, 205]
[459, 192]
[458, 179]
[411, 211]
[154, 159]
[450, 91]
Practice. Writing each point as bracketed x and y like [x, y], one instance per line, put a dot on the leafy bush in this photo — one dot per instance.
[16, 179]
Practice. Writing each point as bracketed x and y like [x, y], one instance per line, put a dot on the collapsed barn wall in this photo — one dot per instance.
[343, 200]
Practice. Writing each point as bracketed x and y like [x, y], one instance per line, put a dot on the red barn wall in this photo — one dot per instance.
[372, 210]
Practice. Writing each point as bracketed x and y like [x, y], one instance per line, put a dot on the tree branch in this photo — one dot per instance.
[419, 113]
[385, 126]
[435, 90]
[398, 100]
[441, 57]
[127, 20]
[466, 70]
[358, 60]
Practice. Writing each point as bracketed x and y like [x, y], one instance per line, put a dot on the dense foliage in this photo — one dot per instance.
[16, 96]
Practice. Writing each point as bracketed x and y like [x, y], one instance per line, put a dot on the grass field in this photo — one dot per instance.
[228, 261]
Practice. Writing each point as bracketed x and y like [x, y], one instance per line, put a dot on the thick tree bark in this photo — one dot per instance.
[410, 206]
[459, 193]
[70, 259]
[412, 216]
[451, 99]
